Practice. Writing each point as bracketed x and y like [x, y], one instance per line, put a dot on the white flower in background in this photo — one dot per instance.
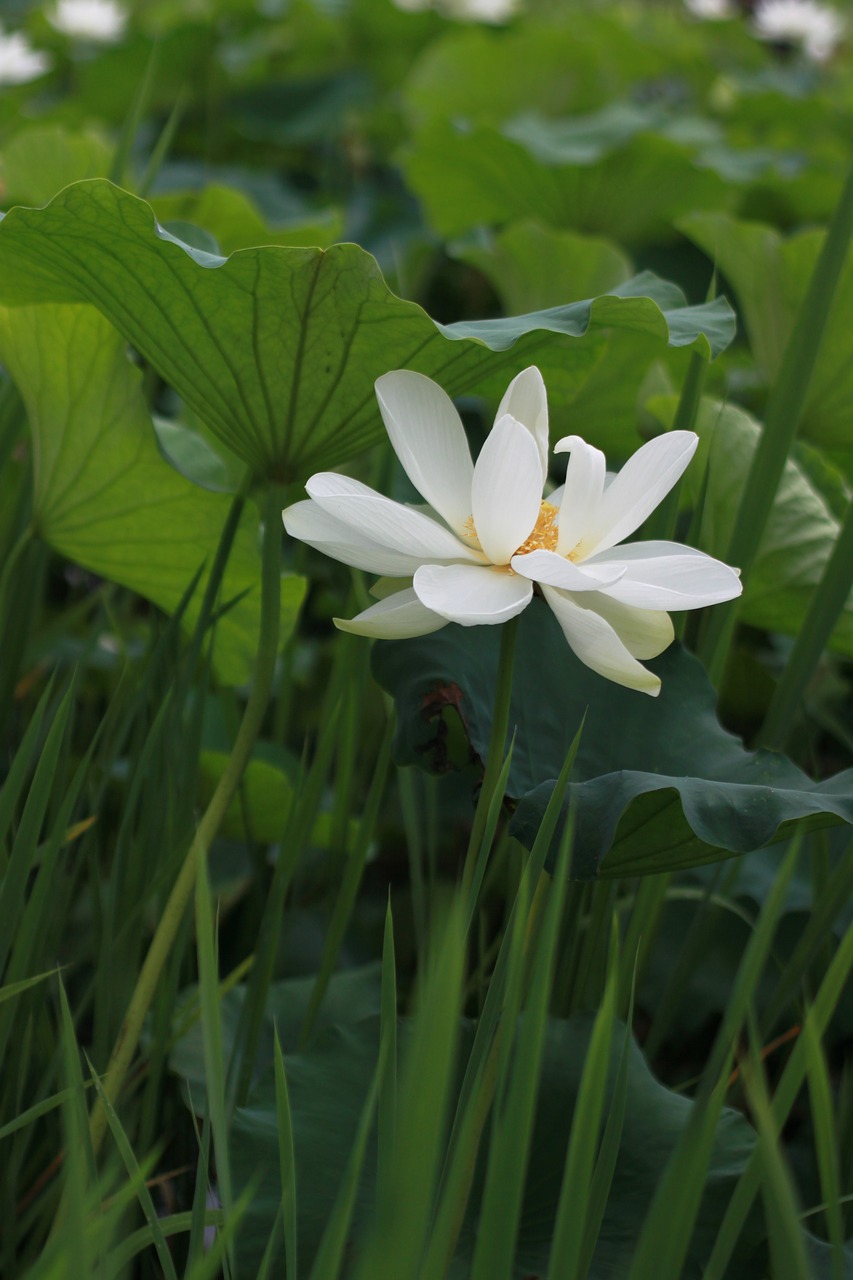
[711, 10]
[474, 555]
[19, 61]
[101, 20]
[494, 11]
[816, 28]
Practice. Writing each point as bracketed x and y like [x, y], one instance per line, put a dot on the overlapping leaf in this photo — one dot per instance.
[467, 176]
[770, 274]
[104, 495]
[658, 783]
[800, 534]
[232, 218]
[326, 1103]
[277, 349]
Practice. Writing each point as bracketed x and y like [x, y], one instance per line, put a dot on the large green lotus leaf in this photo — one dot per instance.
[104, 85]
[469, 176]
[327, 1086]
[567, 62]
[531, 266]
[231, 217]
[41, 159]
[800, 534]
[259, 810]
[658, 783]
[351, 996]
[485, 76]
[770, 275]
[277, 349]
[104, 495]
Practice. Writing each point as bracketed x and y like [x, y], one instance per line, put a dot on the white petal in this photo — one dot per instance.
[582, 493]
[596, 643]
[667, 575]
[557, 571]
[644, 632]
[310, 523]
[526, 400]
[472, 596]
[429, 439]
[507, 490]
[398, 617]
[387, 523]
[643, 482]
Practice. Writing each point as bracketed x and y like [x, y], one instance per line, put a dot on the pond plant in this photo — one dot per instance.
[393, 396]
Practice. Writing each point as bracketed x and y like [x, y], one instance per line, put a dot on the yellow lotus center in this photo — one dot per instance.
[543, 536]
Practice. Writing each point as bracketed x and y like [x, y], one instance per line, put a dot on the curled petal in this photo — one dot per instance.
[667, 575]
[472, 596]
[643, 482]
[429, 439]
[595, 641]
[644, 632]
[385, 522]
[557, 571]
[310, 523]
[581, 494]
[526, 400]
[506, 493]
[397, 617]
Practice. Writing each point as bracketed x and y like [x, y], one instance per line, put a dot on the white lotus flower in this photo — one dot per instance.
[101, 20]
[816, 28]
[487, 539]
[19, 61]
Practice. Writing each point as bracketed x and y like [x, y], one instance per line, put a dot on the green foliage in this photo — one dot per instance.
[273, 1002]
[671, 789]
[800, 533]
[292, 395]
[103, 494]
[769, 274]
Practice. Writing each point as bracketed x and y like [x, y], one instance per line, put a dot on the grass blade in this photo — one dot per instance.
[286, 1160]
[570, 1246]
[781, 419]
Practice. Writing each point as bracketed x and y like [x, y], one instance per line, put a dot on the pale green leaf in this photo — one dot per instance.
[104, 495]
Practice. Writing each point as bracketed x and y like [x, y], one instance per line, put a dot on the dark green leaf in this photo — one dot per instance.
[326, 1101]
[658, 783]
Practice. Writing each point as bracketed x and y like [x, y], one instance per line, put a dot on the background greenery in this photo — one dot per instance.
[590, 1015]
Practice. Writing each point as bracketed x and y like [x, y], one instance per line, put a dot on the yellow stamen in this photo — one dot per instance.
[544, 534]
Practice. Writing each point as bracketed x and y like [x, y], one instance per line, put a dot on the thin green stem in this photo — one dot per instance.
[18, 549]
[173, 913]
[782, 416]
[824, 610]
[497, 745]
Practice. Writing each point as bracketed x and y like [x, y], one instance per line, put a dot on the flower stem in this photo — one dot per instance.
[173, 913]
[495, 752]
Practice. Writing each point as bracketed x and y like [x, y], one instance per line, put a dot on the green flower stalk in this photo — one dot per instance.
[173, 913]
